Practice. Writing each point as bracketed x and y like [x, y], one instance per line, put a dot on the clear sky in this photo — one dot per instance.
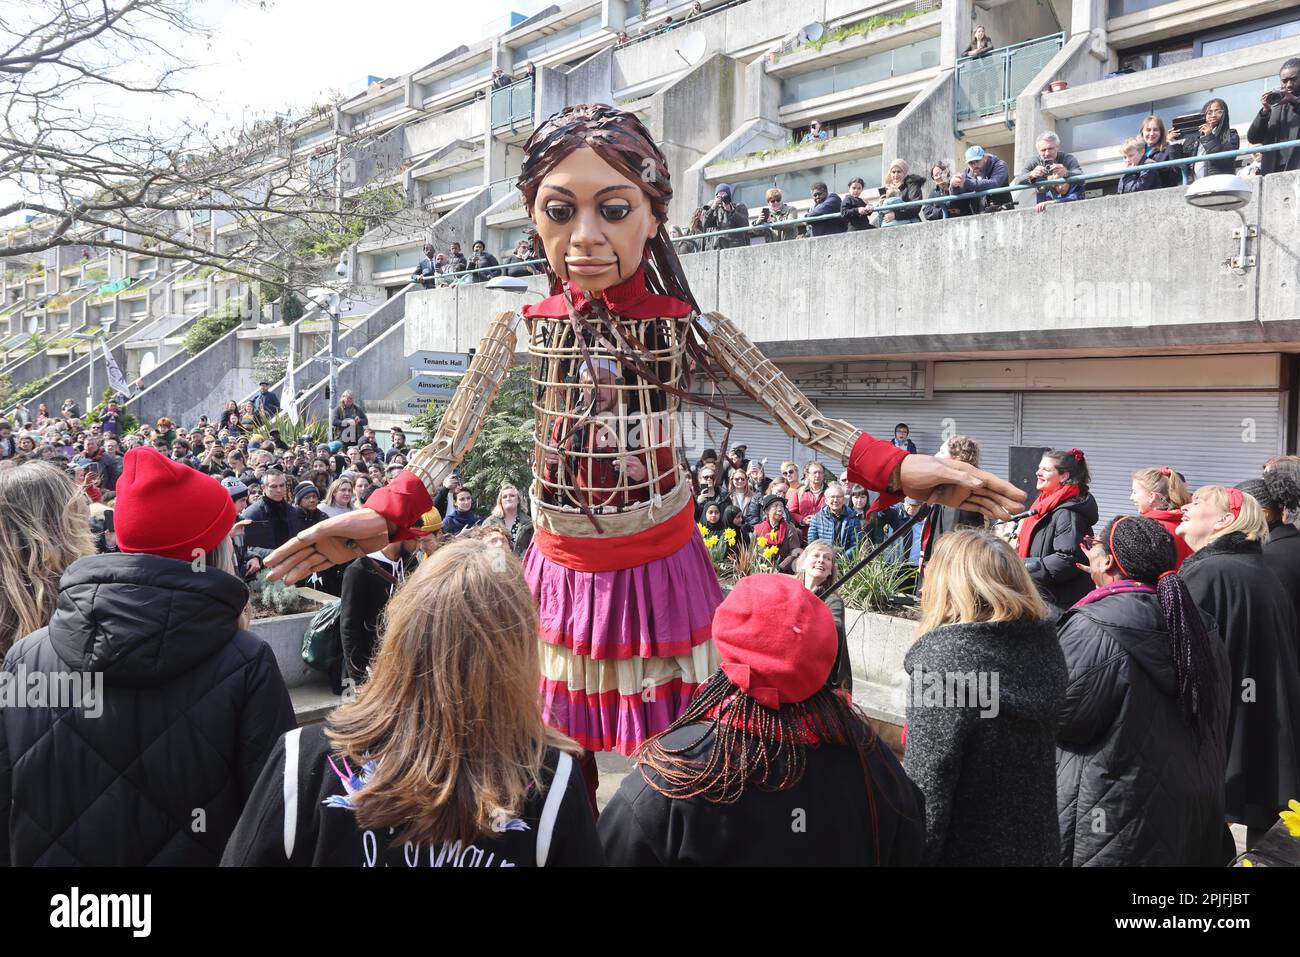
[286, 55]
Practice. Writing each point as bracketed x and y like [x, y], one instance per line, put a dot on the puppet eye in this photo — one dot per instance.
[615, 213]
[559, 212]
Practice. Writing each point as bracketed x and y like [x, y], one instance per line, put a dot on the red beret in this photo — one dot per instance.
[776, 639]
[169, 509]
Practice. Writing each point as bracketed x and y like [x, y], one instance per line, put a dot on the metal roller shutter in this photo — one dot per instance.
[987, 417]
[1212, 438]
[764, 440]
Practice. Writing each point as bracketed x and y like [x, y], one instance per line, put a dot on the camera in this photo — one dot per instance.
[1273, 97]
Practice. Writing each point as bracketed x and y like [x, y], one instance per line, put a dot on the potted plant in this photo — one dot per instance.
[1056, 86]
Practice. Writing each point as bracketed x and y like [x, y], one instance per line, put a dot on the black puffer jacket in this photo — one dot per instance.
[1055, 546]
[1282, 556]
[987, 767]
[191, 707]
[1230, 580]
[1133, 784]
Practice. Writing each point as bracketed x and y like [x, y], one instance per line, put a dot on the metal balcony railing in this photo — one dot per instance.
[988, 85]
[512, 105]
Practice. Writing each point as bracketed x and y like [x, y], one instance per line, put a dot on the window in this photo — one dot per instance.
[557, 40]
[1263, 35]
[454, 182]
[459, 78]
[871, 69]
[796, 185]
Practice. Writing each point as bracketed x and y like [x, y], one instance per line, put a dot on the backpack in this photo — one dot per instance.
[322, 641]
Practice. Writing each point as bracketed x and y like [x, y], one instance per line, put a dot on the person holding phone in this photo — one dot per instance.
[1214, 135]
[1278, 120]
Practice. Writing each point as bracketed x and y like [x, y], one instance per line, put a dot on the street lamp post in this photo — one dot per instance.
[90, 362]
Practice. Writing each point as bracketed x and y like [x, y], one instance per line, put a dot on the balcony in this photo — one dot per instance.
[987, 86]
[513, 105]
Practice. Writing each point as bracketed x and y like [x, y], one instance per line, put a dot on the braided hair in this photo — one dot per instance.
[1278, 490]
[756, 746]
[1144, 551]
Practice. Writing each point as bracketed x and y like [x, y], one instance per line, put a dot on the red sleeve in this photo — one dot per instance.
[402, 502]
[873, 461]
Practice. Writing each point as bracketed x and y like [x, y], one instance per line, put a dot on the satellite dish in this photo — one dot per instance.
[692, 48]
[811, 33]
[148, 363]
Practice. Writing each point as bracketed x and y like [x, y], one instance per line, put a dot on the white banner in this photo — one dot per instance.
[290, 403]
[115, 378]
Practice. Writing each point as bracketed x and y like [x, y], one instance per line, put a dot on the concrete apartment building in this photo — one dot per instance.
[1114, 324]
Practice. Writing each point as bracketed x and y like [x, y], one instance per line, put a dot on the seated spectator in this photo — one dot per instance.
[908, 186]
[1160, 494]
[984, 171]
[482, 259]
[1051, 163]
[1152, 133]
[1215, 135]
[825, 203]
[734, 519]
[815, 569]
[713, 789]
[941, 185]
[815, 133]
[426, 270]
[1229, 578]
[836, 523]
[856, 210]
[1134, 152]
[1141, 741]
[739, 494]
[1278, 120]
[807, 500]
[463, 515]
[984, 756]
[723, 213]
[338, 497]
[980, 43]
[776, 211]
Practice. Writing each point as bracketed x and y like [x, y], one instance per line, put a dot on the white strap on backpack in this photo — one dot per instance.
[291, 791]
[551, 809]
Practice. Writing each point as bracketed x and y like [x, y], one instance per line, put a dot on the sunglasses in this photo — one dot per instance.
[789, 471]
[1089, 542]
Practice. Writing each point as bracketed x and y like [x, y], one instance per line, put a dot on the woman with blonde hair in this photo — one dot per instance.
[46, 528]
[338, 497]
[1160, 494]
[815, 567]
[397, 778]
[1229, 579]
[509, 513]
[983, 748]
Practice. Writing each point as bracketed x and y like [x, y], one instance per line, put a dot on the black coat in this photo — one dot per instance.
[1133, 784]
[824, 819]
[1230, 580]
[365, 593]
[1278, 124]
[911, 192]
[1055, 545]
[719, 218]
[1282, 556]
[261, 537]
[849, 206]
[191, 707]
[944, 519]
[988, 773]
[1212, 142]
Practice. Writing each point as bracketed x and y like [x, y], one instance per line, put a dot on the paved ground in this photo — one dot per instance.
[613, 768]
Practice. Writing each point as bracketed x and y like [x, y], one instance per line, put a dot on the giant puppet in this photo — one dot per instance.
[624, 585]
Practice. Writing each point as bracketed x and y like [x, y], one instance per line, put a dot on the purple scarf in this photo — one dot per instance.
[1114, 588]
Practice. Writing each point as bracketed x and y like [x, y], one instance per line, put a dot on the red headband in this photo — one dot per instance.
[1166, 471]
[1235, 499]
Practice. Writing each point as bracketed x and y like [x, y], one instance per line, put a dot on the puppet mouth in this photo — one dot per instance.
[586, 266]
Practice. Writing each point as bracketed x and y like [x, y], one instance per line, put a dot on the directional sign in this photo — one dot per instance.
[441, 362]
[415, 406]
[433, 386]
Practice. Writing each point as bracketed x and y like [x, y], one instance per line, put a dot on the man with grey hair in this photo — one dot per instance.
[835, 522]
[1051, 163]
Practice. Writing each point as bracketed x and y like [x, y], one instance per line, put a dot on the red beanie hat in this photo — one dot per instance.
[777, 639]
[168, 509]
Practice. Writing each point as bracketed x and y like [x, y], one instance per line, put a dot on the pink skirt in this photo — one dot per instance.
[622, 652]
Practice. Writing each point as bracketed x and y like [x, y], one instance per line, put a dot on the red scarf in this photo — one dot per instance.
[1044, 504]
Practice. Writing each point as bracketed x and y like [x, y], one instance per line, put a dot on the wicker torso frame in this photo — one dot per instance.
[607, 453]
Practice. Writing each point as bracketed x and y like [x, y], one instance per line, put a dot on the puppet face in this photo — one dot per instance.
[593, 221]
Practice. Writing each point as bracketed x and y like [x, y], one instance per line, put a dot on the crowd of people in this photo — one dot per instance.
[859, 208]
[1147, 687]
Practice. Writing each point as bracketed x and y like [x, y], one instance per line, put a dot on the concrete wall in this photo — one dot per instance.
[463, 123]
[196, 386]
[923, 131]
[1095, 285]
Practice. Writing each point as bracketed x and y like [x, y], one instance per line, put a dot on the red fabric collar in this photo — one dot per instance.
[629, 299]
[1044, 504]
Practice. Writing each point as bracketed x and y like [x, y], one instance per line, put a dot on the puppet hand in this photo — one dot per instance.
[957, 484]
[332, 542]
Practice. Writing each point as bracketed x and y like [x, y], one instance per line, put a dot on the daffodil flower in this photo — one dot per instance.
[761, 541]
[730, 535]
[711, 541]
[703, 530]
[771, 552]
[1291, 818]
